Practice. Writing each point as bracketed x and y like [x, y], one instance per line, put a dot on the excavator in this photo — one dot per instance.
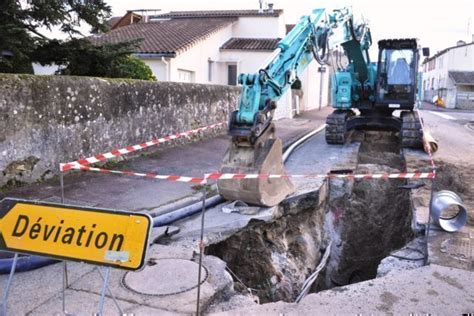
[364, 95]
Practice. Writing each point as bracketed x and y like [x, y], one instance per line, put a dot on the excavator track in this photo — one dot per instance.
[411, 133]
[336, 129]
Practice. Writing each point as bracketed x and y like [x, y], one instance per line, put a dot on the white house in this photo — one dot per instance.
[214, 47]
[449, 75]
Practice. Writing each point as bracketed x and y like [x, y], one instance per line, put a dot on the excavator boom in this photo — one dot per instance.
[255, 149]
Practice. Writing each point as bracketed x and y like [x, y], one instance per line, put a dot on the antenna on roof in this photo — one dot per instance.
[270, 8]
[260, 10]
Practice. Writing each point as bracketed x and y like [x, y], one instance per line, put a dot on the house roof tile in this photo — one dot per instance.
[289, 27]
[265, 44]
[219, 13]
[167, 37]
[462, 77]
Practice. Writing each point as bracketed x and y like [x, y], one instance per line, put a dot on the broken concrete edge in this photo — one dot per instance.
[411, 291]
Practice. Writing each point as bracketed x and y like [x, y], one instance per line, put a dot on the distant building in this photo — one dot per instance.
[449, 75]
[214, 47]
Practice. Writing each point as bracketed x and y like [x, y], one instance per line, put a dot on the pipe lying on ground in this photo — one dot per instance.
[443, 201]
[429, 143]
[25, 263]
[192, 209]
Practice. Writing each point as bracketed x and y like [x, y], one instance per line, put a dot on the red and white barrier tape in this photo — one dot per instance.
[142, 175]
[242, 176]
[130, 149]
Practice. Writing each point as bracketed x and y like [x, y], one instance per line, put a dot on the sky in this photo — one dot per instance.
[438, 24]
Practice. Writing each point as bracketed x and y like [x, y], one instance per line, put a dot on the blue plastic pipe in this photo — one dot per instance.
[186, 211]
[25, 263]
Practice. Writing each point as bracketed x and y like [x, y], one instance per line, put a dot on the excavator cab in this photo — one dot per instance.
[396, 74]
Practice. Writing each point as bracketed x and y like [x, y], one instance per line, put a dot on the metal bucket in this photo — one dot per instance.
[440, 202]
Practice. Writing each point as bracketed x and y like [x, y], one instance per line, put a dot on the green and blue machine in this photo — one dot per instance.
[364, 95]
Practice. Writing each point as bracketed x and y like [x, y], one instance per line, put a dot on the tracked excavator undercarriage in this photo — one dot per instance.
[340, 123]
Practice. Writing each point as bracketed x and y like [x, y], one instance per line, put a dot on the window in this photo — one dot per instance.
[185, 75]
[232, 75]
[396, 74]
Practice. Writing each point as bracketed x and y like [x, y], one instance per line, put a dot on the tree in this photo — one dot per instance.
[21, 21]
[22, 41]
[80, 57]
[132, 67]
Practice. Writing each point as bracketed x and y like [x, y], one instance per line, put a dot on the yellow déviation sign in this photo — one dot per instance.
[97, 236]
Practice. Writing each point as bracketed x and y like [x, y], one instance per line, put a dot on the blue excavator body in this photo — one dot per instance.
[375, 90]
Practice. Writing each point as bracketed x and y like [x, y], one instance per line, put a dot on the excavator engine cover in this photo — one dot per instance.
[262, 157]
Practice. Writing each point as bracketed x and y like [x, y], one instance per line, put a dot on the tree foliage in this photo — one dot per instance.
[22, 41]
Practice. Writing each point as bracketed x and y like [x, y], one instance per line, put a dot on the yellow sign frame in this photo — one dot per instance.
[98, 236]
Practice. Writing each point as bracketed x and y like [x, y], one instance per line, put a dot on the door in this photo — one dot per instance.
[232, 75]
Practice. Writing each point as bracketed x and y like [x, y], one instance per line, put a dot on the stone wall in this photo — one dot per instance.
[46, 120]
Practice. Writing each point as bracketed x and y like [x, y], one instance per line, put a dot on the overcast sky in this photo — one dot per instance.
[438, 24]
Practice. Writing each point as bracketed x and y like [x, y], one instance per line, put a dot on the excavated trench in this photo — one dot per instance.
[368, 219]
[365, 220]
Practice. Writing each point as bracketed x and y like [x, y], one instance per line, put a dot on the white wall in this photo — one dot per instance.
[38, 69]
[462, 58]
[311, 86]
[158, 67]
[196, 58]
[249, 61]
[260, 27]
[456, 59]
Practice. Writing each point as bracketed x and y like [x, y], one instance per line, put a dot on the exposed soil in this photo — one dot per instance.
[368, 218]
[274, 259]
[366, 221]
[456, 178]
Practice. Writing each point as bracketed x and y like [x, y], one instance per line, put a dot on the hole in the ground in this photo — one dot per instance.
[365, 220]
[374, 216]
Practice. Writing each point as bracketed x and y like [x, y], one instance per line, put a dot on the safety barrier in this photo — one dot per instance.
[130, 149]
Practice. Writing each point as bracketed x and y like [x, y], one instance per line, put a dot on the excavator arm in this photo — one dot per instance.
[255, 149]
[261, 90]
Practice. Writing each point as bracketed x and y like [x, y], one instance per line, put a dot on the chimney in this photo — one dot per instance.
[473, 38]
[260, 9]
[270, 8]
[460, 43]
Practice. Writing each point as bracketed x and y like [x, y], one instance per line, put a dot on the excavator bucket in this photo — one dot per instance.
[263, 157]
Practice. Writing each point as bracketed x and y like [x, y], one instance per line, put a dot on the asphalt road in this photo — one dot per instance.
[455, 133]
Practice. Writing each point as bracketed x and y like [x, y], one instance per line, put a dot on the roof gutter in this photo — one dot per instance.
[155, 55]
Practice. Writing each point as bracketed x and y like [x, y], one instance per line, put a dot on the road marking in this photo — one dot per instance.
[445, 116]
